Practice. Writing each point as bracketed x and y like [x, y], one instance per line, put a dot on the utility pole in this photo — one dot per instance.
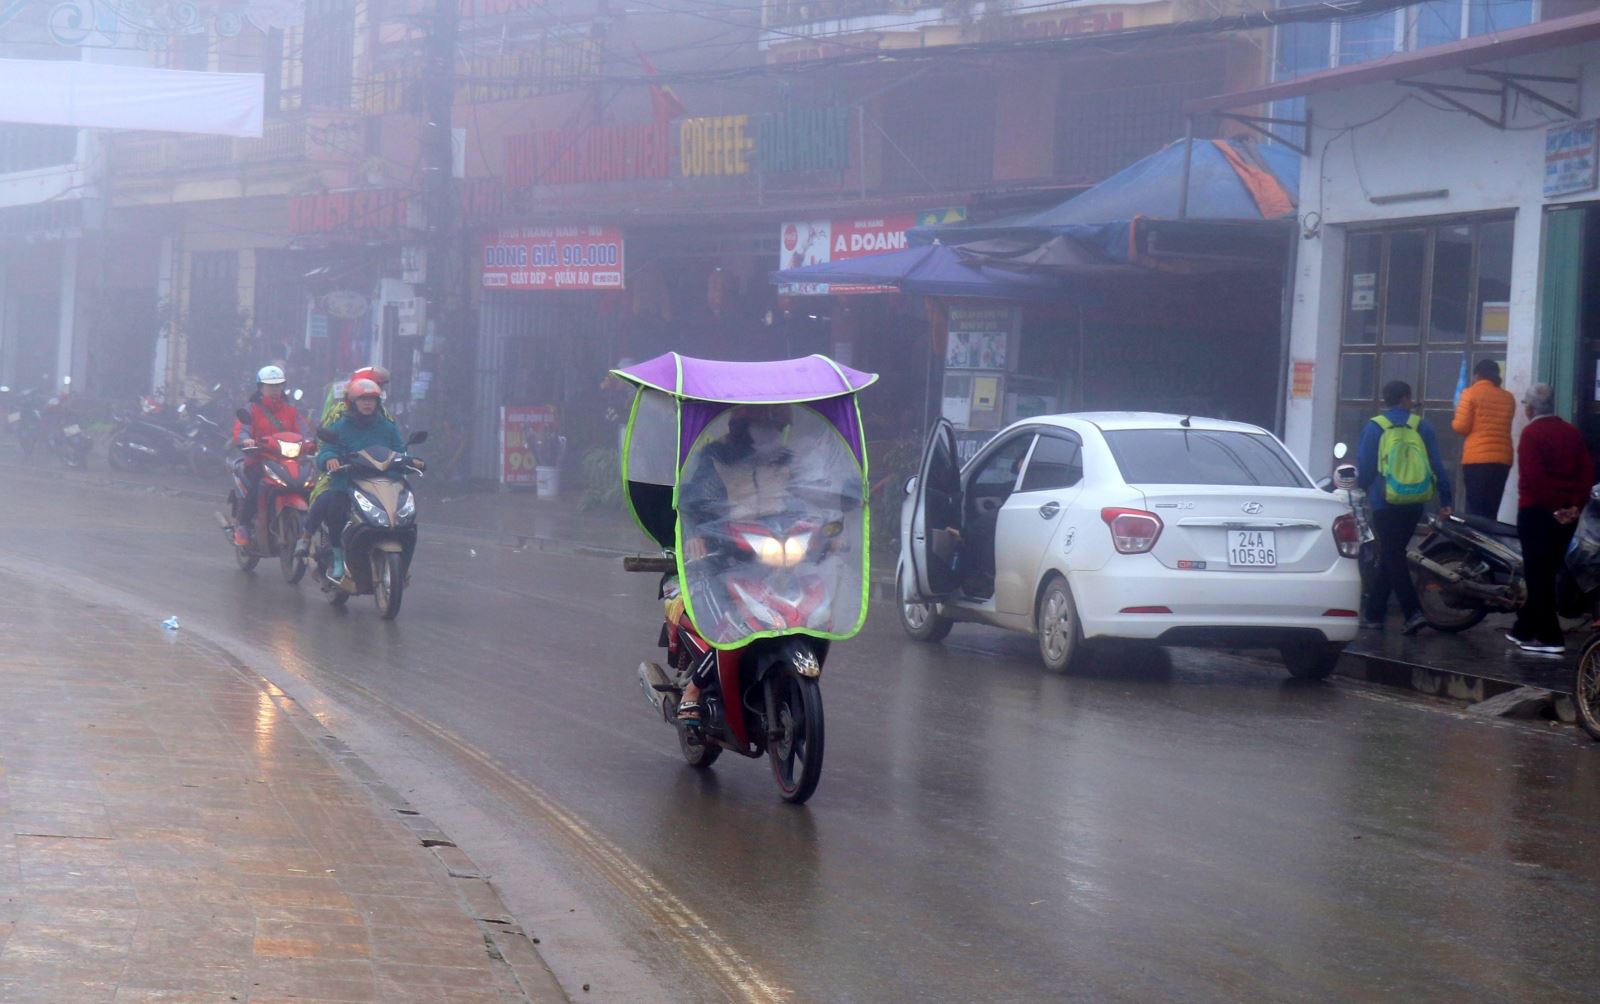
[442, 285]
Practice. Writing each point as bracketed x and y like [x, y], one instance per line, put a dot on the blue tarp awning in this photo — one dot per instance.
[1230, 182]
[928, 270]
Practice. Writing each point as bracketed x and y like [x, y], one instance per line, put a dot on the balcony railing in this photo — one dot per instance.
[297, 140]
[789, 13]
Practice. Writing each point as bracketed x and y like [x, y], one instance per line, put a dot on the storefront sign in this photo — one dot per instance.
[359, 211]
[521, 428]
[552, 258]
[1494, 321]
[1303, 378]
[714, 146]
[979, 337]
[345, 304]
[1364, 291]
[804, 139]
[1055, 25]
[1571, 155]
[817, 241]
[630, 152]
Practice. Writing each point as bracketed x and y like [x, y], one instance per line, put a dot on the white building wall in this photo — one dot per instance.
[1386, 140]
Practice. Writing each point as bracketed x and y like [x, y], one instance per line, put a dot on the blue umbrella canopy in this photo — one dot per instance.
[1230, 182]
[929, 270]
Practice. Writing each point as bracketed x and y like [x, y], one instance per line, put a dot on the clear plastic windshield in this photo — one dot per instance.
[772, 528]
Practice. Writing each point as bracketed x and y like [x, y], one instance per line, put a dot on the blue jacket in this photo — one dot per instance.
[1367, 459]
[352, 438]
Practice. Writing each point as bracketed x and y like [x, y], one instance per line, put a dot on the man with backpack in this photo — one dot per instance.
[1554, 472]
[1399, 467]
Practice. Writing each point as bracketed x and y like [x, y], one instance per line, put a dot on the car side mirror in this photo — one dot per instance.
[911, 485]
[243, 416]
[416, 438]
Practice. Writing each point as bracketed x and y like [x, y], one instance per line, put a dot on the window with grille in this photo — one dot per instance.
[943, 143]
[1098, 133]
[329, 47]
[1423, 303]
[26, 147]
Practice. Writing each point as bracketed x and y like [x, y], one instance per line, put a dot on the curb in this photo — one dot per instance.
[1451, 684]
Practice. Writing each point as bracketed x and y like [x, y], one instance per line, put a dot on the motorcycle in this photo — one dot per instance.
[380, 533]
[286, 482]
[153, 438]
[1583, 563]
[61, 430]
[755, 601]
[1342, 485]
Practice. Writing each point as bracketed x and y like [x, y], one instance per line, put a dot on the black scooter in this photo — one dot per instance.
[379, 535]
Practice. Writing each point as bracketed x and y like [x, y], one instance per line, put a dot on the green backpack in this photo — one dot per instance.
[1403, 462]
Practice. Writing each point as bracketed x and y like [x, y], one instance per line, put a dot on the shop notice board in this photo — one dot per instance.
[521, 426]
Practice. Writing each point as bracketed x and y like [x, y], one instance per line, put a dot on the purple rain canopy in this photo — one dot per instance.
[782, 381]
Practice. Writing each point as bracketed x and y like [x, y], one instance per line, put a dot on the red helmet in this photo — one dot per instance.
[377, 374]
[362, 388]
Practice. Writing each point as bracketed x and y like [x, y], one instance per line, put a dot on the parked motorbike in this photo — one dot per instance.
[287, 477]
[754, 609]
[1342, 484]
[63, 434]
[380, 532]
[24, 418]
[1583, 564]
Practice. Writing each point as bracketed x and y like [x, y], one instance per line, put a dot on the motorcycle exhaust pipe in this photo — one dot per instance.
[658, 690]
[1498, 596]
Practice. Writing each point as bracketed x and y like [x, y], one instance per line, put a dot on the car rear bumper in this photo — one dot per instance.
[1234, 609]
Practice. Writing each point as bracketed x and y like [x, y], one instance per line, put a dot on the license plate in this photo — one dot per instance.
[1252, 548]
[71, 430]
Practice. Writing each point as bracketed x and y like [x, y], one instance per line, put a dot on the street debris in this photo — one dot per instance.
[171, 623]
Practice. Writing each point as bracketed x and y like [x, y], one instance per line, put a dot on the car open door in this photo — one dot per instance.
[932, 537]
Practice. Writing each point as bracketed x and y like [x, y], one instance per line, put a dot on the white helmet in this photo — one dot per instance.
[270, 374]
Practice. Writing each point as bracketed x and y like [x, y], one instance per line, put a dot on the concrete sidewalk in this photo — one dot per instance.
[173, 828]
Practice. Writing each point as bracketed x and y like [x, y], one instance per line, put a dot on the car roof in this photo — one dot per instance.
[1108, 421]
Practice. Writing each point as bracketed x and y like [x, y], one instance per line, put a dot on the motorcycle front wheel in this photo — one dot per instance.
[795, 742]
[388, 583]
[1434, 594]
[288, 535]
[1586, 687]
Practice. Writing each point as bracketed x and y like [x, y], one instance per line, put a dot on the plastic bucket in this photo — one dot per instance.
[547, 482]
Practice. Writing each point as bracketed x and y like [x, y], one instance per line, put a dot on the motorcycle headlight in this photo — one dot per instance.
[768, 550]
[373, 512]
[408, 507]
[795, 548]
[289, 450]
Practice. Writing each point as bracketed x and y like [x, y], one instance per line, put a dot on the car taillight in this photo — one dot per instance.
[1133, 531]
[1347, 535]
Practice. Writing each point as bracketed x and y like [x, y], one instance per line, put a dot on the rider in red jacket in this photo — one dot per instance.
[270, 413]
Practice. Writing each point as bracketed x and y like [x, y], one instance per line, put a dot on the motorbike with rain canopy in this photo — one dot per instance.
[752, 480]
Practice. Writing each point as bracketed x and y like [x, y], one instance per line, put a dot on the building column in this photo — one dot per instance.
[67, 316]
[1314, 334]
[8, 338]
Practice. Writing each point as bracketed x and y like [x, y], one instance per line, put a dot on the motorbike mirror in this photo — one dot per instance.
[326, 436]
[216, 387]
[66, 381]
[183, 408]
[911, 485]
[1340, 451]
[298, 393]
[243, 416]
[4, 389]
[832, 528]
[417, 437]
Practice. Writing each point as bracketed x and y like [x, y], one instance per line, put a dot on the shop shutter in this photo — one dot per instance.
[1560, 301]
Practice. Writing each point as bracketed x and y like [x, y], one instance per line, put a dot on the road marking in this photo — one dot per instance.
[736, 974]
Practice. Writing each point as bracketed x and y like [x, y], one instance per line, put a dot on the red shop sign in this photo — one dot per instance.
[360, 210]
[553, 258]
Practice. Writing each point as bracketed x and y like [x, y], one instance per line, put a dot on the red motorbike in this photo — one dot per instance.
[759, 469]
[287, 477]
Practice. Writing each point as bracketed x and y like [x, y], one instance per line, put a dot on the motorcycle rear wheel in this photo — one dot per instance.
[1586, 687]
[1432, 592]
[288, 535]
[388, 583]
[796, 751]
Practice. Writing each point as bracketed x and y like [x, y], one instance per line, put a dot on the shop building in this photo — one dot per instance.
[1448, 214]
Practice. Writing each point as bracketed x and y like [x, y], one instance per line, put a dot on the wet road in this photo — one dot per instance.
[1197, 828]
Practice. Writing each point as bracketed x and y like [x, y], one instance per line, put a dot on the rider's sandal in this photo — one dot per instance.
[690, 713]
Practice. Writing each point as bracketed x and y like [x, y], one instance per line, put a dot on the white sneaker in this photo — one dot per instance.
[1539, 649]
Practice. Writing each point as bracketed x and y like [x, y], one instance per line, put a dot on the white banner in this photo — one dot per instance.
[102, 96]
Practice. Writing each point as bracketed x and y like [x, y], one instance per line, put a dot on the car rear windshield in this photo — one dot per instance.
[1202, 457]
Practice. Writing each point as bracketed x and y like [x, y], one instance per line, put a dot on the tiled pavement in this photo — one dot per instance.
[173, 829]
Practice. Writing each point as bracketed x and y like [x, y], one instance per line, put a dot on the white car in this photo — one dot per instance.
[1180, 531]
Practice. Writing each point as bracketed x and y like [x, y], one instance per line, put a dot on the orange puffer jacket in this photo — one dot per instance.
[1484, 417]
